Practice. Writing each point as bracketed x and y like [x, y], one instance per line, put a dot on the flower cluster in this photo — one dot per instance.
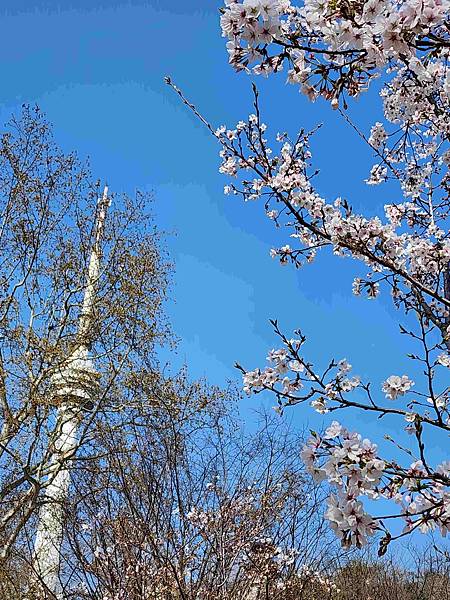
[356, 41]
[396, 386]
[352, 466]
[331, 46]
[407, 250]
[346, 460]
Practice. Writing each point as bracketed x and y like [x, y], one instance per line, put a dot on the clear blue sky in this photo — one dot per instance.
[96, 68]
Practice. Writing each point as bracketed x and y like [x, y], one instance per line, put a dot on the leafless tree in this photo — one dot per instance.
[194, 508]
[49, 226]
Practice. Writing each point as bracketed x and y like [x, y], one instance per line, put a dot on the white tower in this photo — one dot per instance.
[74, 385]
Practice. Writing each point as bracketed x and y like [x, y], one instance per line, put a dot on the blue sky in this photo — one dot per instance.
[96, 68]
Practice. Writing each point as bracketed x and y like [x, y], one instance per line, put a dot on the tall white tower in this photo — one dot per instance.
[74, 386]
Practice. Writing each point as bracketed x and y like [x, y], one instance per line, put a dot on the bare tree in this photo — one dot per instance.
[61, 312]
[194, 508]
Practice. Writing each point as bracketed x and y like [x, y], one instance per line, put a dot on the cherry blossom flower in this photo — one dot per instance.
[396, 386]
